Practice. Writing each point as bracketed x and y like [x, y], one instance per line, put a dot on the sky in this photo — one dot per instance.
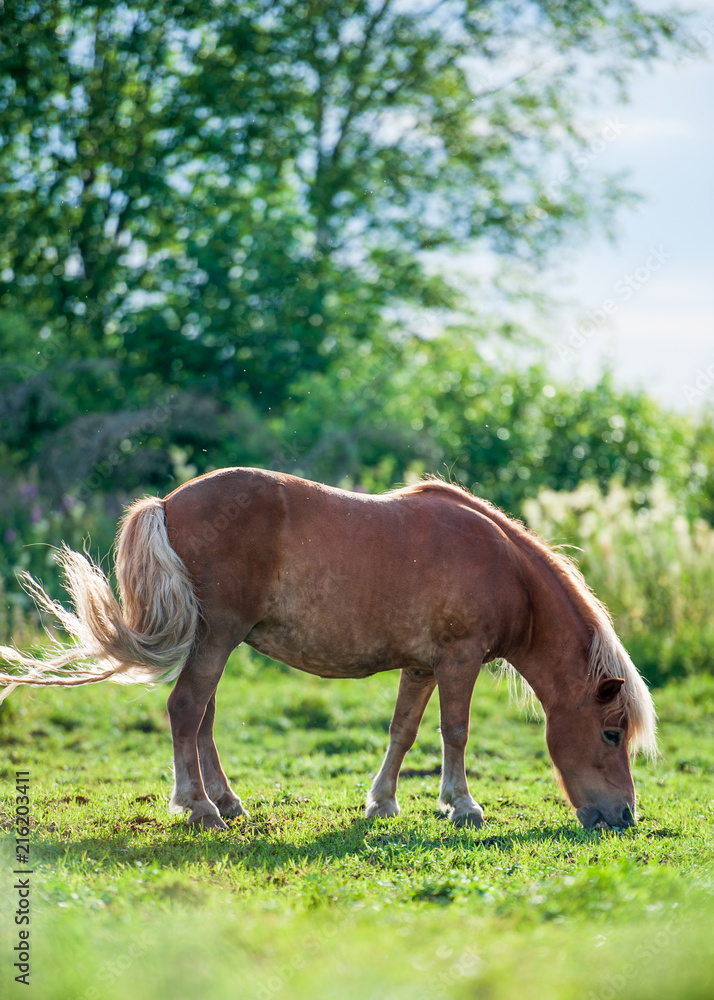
[645, 306]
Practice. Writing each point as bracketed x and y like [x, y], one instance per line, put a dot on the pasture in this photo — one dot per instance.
[309, 899]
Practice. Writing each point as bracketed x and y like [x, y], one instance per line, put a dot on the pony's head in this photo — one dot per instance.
[594, 728]
[588, 744]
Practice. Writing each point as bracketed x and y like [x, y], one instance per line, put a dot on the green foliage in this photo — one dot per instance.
[201, 204]
[505, 434]
[652, 567]
[308, 899]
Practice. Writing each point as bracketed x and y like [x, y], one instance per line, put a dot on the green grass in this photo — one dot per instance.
[308, 899]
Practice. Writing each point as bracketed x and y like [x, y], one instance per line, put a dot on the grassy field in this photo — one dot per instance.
[308, 899]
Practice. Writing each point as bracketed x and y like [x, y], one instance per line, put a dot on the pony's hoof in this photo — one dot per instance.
[207, 821]
[473, 819]
[385, 808]
[465, 813]
[231, 807]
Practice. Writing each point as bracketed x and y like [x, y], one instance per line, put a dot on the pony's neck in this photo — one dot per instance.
[553, 651]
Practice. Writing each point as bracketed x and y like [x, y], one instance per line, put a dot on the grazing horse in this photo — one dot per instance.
[428, 579]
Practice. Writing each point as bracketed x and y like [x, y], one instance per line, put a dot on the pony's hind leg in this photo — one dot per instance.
[187, 706]
[214, 777]
[415, 689]
[456, 677]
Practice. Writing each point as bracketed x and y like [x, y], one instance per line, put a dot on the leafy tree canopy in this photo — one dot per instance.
[209, 212]
[212, 195]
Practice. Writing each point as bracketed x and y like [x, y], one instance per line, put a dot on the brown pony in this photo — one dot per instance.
[428, 579]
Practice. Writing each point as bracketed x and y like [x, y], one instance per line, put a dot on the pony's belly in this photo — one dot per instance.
[324, 659]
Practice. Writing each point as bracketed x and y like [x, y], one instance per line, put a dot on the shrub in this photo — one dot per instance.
[652, 567]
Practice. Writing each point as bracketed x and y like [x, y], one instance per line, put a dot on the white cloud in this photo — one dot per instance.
[647, 129]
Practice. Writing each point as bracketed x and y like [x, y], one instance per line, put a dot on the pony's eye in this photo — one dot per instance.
[613, 736]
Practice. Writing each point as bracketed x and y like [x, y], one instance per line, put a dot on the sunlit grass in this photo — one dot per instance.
[310, 900]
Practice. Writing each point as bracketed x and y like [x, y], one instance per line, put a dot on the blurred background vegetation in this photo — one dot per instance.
[227, 237]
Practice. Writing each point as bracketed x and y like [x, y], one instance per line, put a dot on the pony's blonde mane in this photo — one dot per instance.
[607, 656]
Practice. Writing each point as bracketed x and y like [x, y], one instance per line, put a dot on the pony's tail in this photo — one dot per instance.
[145, 638]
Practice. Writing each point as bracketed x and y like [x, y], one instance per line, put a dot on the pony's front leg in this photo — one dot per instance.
[187, 705]
[456, 683]
[415, 689]
[214, 777]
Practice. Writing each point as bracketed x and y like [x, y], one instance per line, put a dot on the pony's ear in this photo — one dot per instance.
[609, 688]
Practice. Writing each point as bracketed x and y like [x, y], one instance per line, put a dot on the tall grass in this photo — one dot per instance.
[652, 567]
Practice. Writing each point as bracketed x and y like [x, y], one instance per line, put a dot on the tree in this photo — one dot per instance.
[505, 434]
[204, 205]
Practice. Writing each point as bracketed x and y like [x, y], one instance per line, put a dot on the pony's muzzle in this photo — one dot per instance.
[617, 818]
